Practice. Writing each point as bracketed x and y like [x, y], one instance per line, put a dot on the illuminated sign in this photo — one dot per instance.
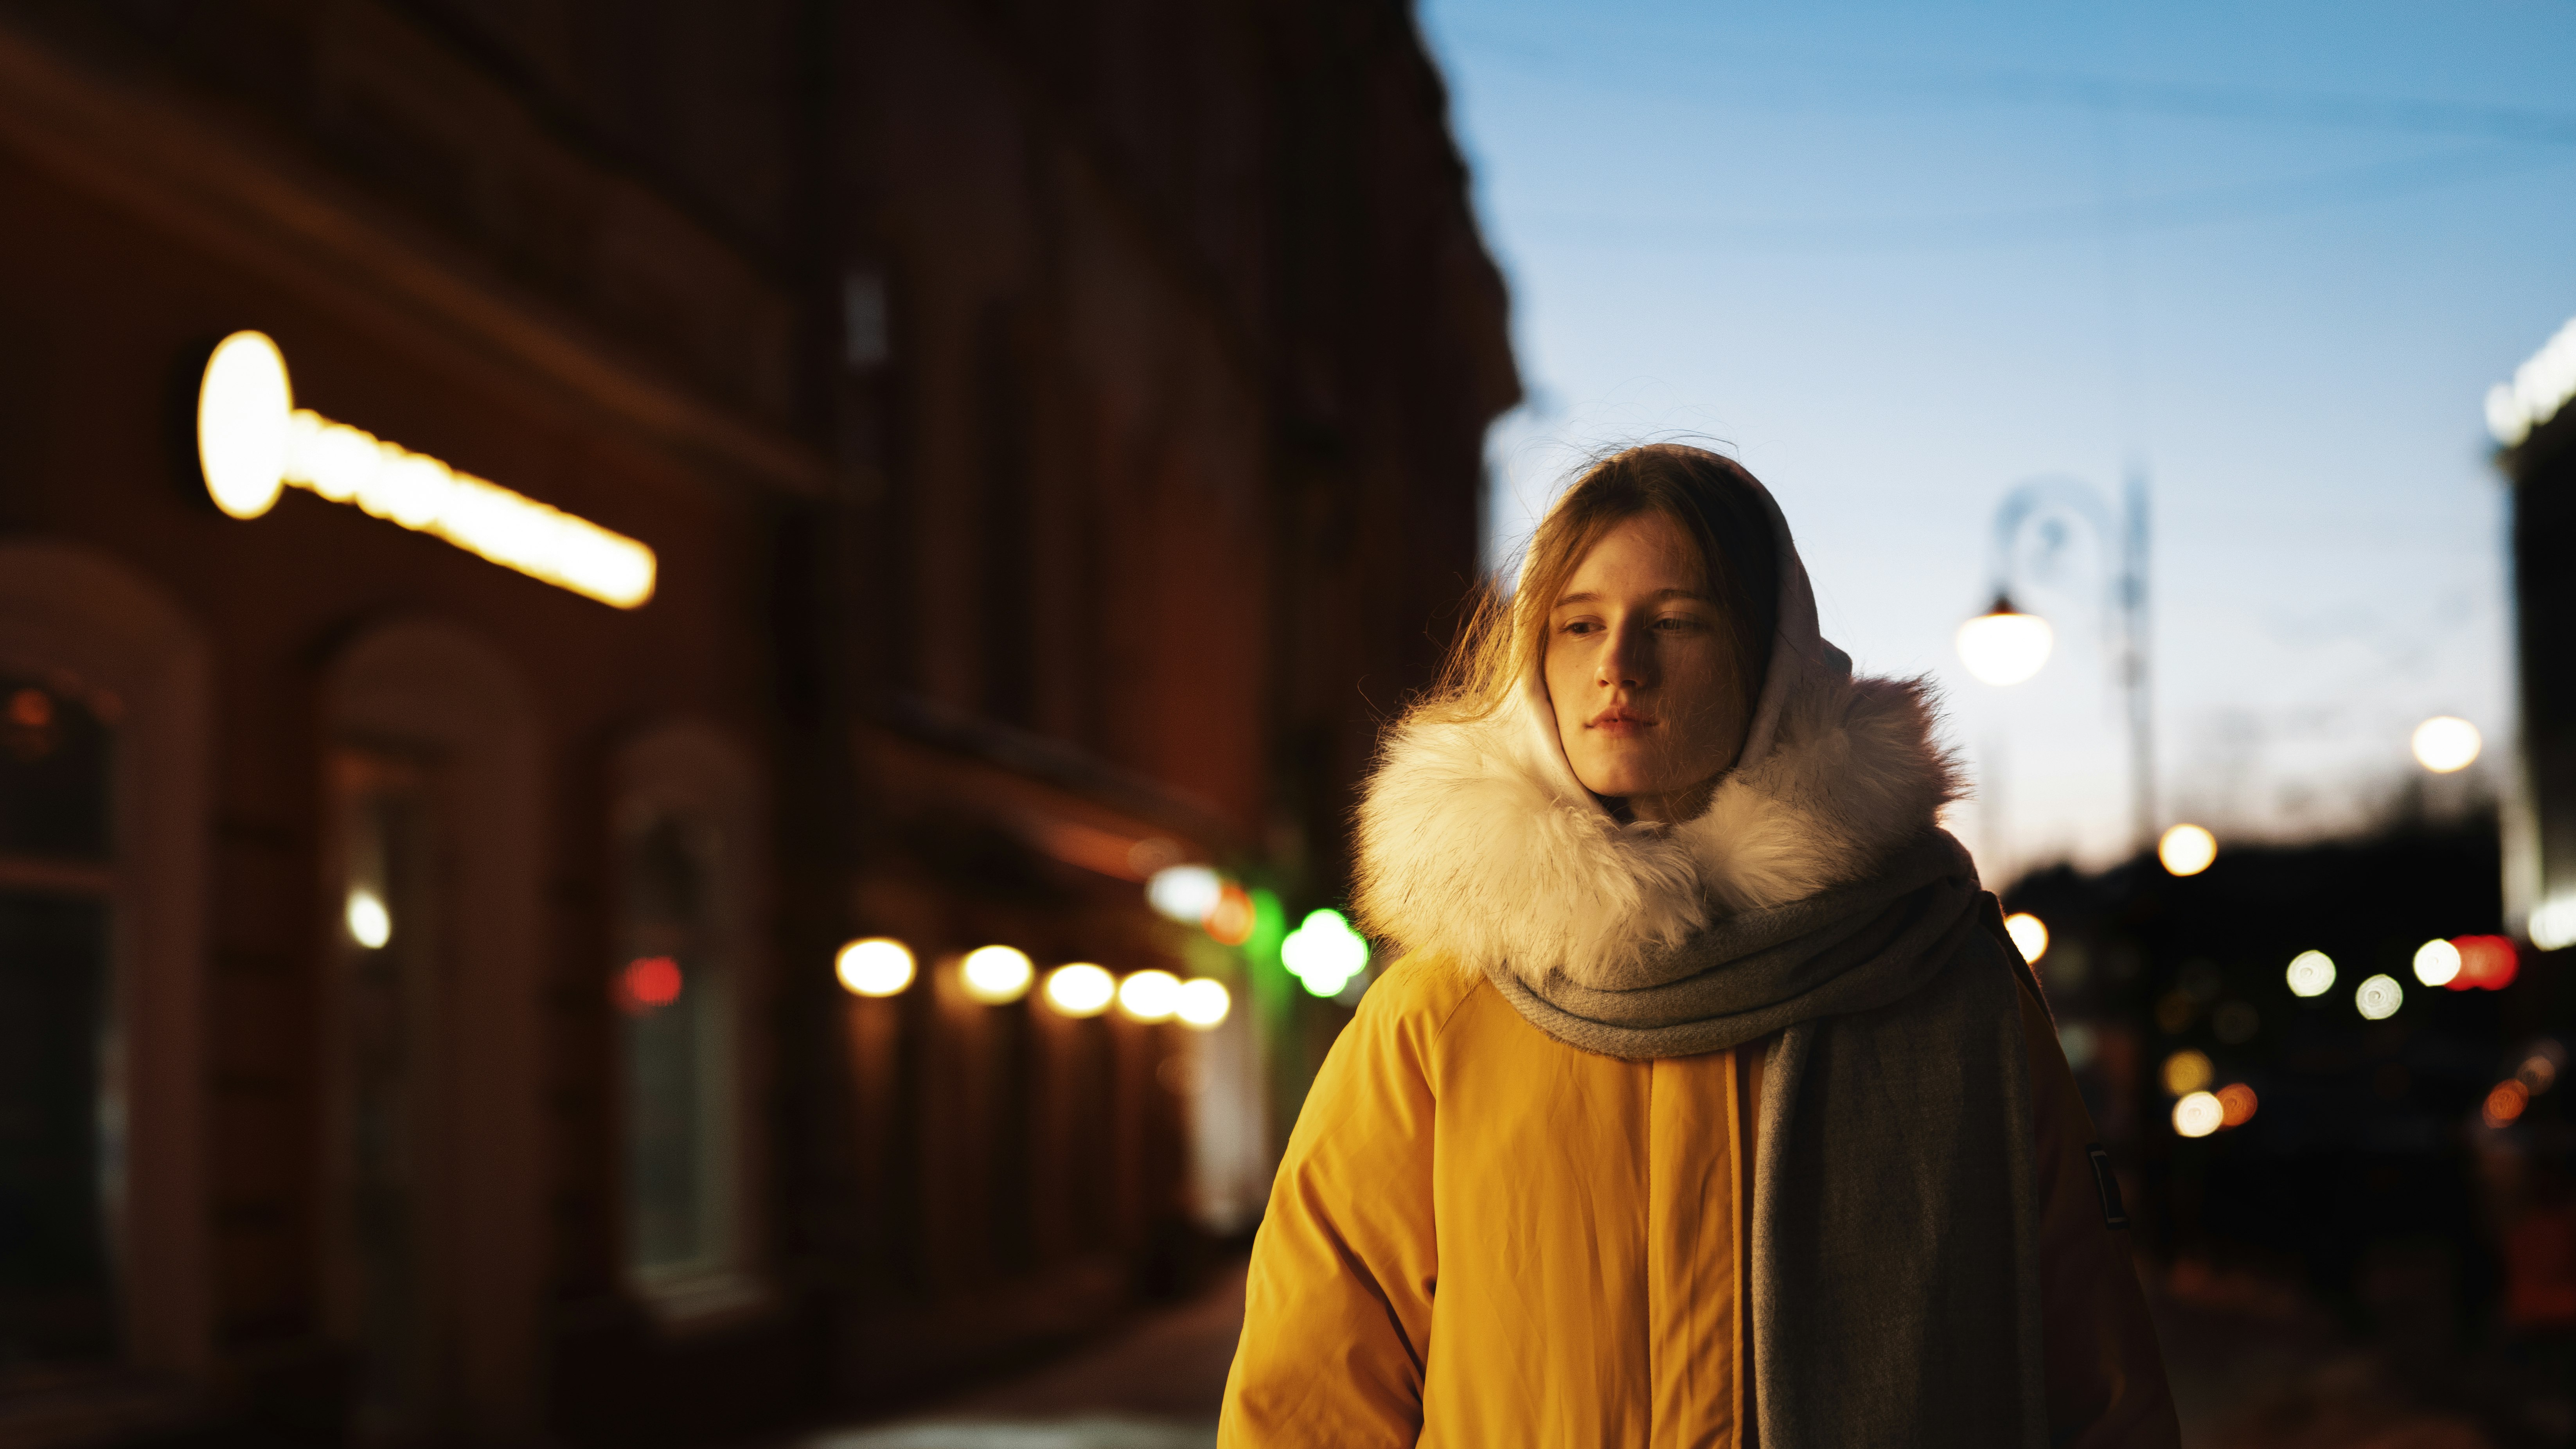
[253, 442]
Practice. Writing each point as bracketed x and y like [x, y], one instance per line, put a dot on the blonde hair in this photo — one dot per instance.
[1718, 505]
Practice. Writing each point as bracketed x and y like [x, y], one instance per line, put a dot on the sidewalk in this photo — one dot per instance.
[1155, 1387]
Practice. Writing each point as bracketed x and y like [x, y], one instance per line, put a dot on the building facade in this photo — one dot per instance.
[2535, 433]
[1056, 433]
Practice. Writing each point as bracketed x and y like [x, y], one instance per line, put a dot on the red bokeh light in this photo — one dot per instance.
[648, 983]
[2487, 963]
[2236, 1100]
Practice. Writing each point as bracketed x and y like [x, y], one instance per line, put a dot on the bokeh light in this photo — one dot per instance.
[648, 984]
[1080, 989]
[2311, 973]
[2504, 1103]
[874, 966]
[2187, 850]
[1324, 953]
[2436, 963]
[2487, 963]
[2079, 1042]
[1184, 893]
[2236, 1104]
[1204, 1002]
[2186, 1072]
[2029, 933]
[2175, 1009]
[2199, 1114]
[2378, 997]
[1230, 919]
[996, 975]
[2537, 1074]
[2553, 923]
[1149, 995]
[2446, 743]
[370, 924]
[2004, 645]
[2235, 1022]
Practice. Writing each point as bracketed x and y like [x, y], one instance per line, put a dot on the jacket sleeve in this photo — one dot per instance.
[2106, 1378]
[1337, 1304]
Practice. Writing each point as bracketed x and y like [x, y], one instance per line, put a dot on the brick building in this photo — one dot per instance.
[1056, 430]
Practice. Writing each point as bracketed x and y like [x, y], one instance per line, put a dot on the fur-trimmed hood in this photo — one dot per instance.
[1478, 844]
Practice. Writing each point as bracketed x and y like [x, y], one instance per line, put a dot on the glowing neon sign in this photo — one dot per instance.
[253, 442]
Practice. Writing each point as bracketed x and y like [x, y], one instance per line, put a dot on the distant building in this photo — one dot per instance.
[2535, 433]
[1056, 431]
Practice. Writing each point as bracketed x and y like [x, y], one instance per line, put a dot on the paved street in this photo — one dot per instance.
[2254, 1366]
[1154, 1387]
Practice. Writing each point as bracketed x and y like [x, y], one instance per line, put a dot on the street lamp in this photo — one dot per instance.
[2005, 645]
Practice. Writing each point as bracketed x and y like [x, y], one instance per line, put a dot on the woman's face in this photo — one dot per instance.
[1642, 671]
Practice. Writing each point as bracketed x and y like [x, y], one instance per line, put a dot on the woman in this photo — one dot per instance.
[1710, 1106]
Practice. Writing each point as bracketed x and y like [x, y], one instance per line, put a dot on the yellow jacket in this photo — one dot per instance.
[1560, 1263]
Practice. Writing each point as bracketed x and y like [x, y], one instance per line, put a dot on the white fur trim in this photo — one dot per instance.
[1476, 843]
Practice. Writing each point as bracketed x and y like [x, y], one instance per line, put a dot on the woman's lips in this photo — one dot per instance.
[1620, 722]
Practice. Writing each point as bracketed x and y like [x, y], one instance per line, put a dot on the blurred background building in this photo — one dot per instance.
[1056, 432]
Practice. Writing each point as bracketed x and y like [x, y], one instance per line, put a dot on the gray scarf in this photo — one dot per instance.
[1895, 1274]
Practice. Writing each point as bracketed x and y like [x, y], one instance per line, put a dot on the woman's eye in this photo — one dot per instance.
[1580, 626]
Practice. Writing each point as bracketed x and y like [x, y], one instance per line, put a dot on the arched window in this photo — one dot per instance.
[688, 837]
[103, 721]
[433, 929]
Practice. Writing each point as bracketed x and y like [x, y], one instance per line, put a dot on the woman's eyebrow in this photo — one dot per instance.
[1594, 598]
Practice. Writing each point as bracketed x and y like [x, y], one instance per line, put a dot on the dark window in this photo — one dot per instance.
[59, 1133]
[53, 772]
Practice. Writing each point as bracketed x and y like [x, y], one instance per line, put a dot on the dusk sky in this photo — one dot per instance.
[1897, 259]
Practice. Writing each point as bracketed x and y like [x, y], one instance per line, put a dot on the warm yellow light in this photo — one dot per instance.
[2186, 1072]
[2187, 849]
[875, 966]
[2029, 933]
[252, 439]
[1184, 893]
[2437, 962]
[1204, 1002]
[2553, 923]
[996, 974]
[2311, 973]
[2446, 743]
[1150, 995]
[1080, 989]
[2378, 998]
[370, 924]
[2199, 1114]
[242, 406]
[2004, 645]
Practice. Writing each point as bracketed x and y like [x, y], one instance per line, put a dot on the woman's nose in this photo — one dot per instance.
[1628, 662]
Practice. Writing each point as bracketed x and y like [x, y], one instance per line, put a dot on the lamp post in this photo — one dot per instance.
[2006, 645]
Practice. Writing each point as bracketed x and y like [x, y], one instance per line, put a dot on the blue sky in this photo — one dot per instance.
[1898, 258]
